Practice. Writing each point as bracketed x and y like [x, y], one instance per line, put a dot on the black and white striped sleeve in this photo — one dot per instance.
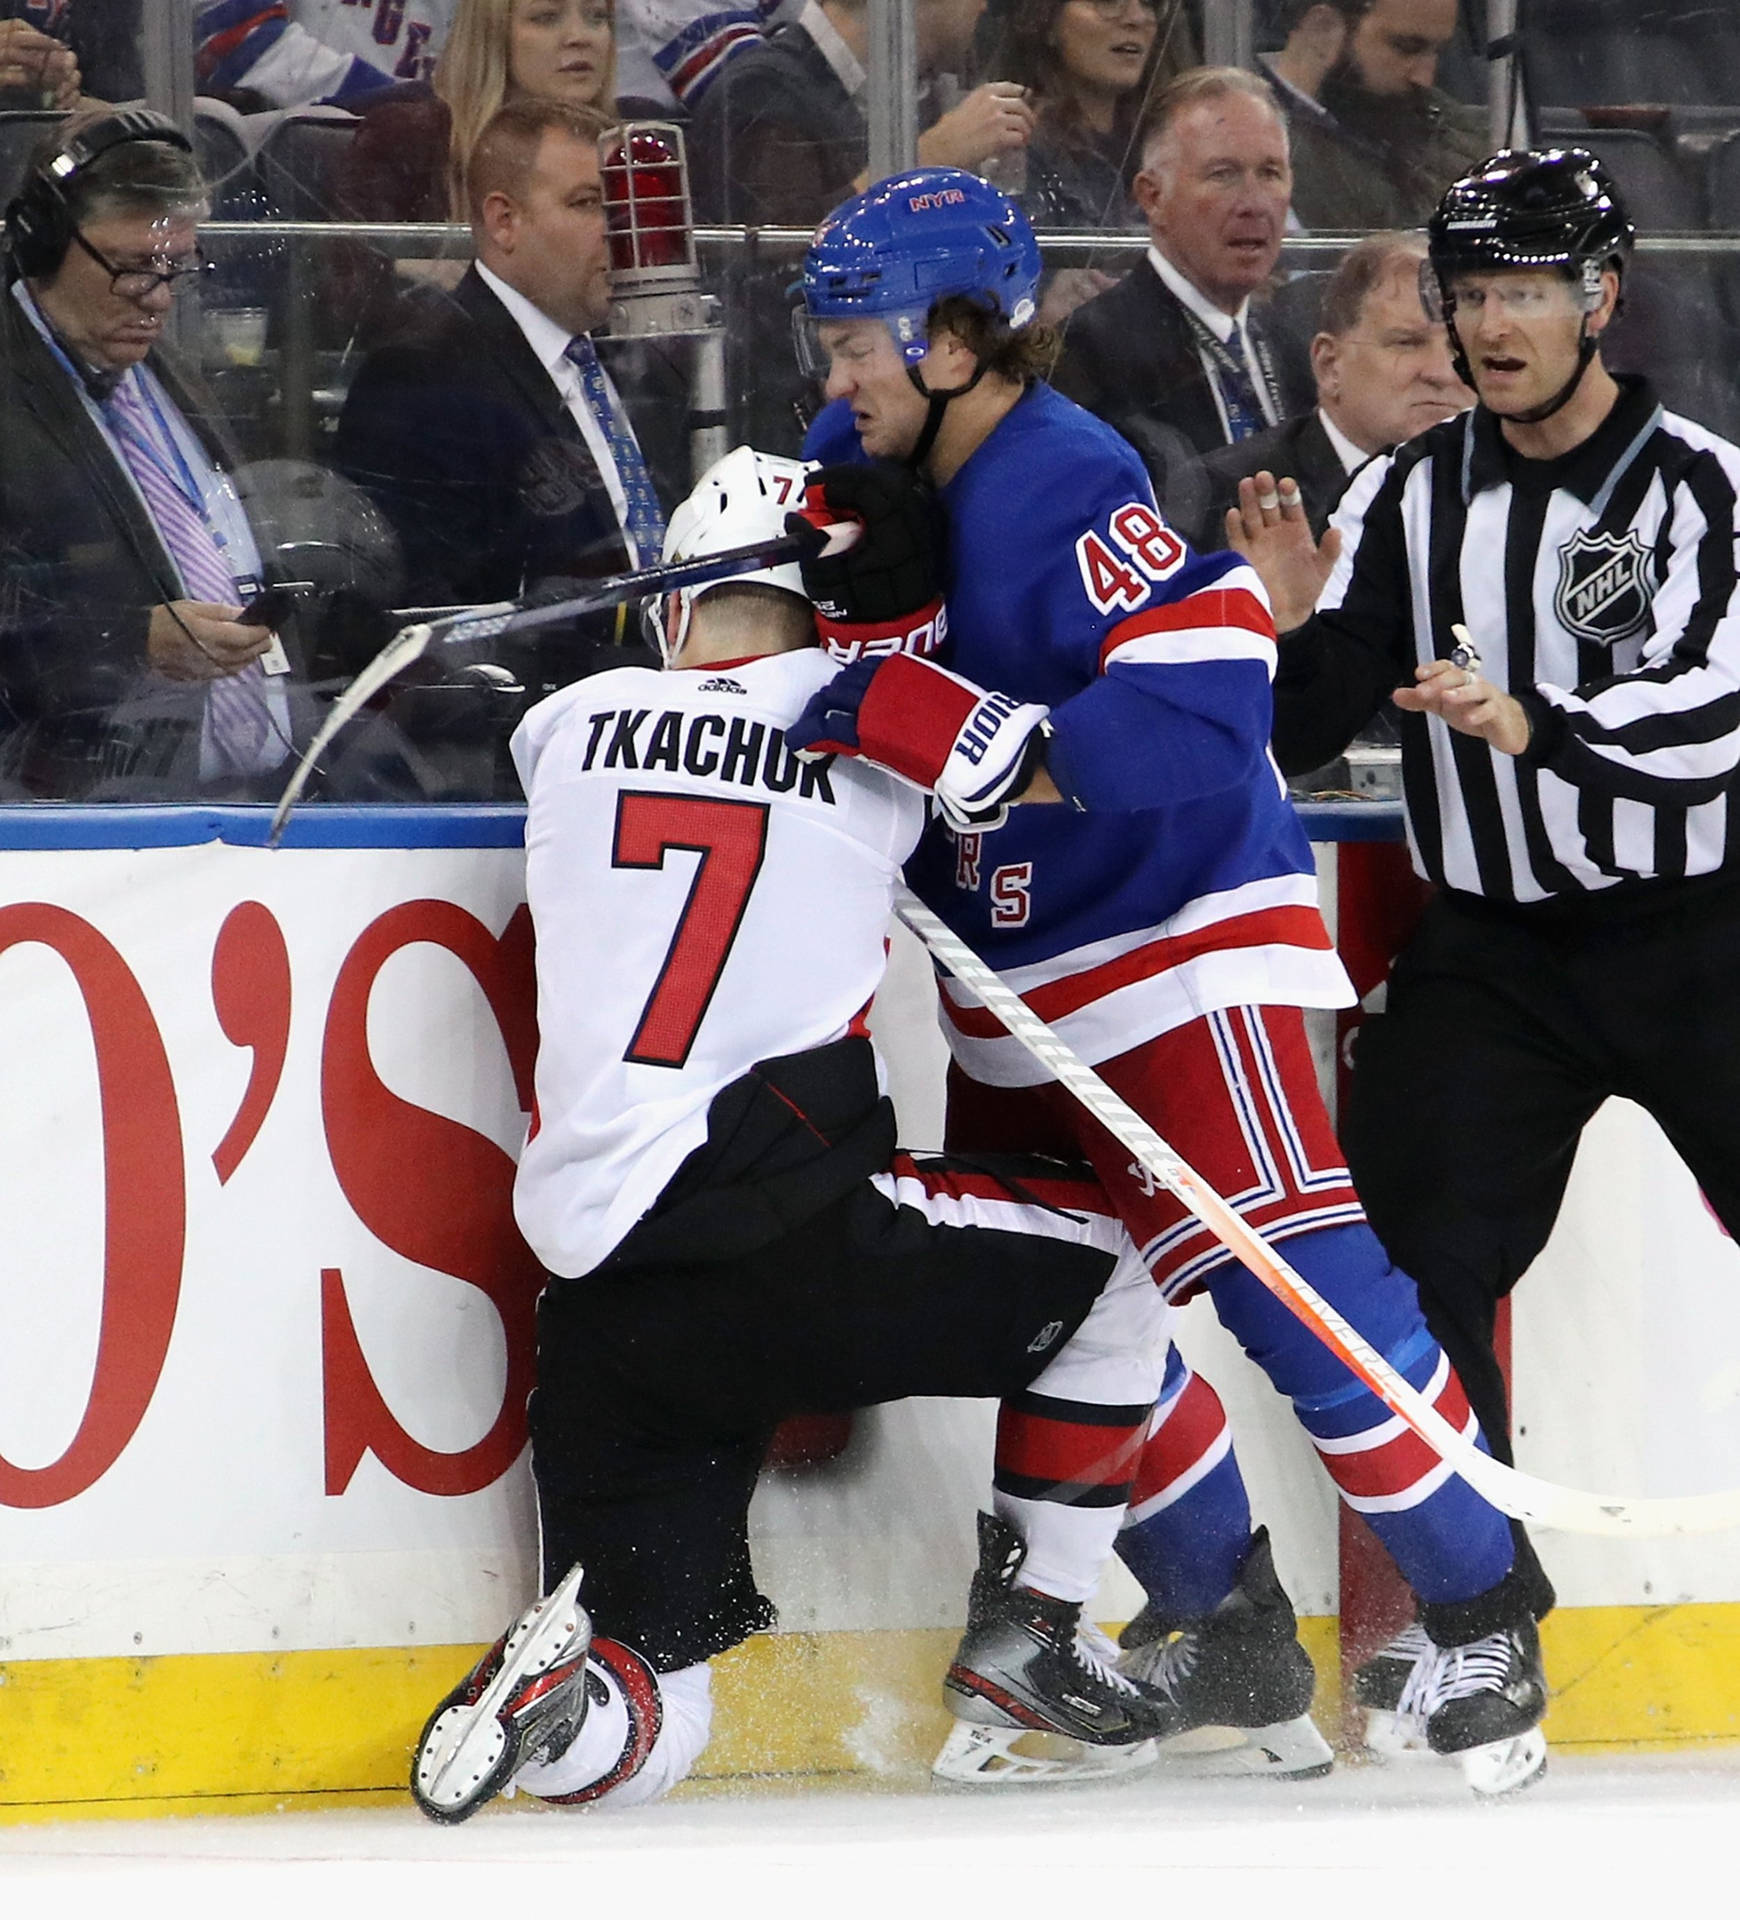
[1668, 732]
[1336, 670]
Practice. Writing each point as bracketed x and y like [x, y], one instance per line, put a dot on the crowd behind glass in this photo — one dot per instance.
[364, 413]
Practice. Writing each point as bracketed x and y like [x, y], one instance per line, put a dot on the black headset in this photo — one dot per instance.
[39, 222]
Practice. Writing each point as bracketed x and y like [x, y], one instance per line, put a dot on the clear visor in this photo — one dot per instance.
[819, 343]
[1521, 294]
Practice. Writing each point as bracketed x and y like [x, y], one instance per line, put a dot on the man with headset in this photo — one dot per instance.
[127, 666]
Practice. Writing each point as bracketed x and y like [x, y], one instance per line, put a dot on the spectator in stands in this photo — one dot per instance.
[1383, 372]
[489, 431]
[673, 50]
[64, 53]
[1375, 140]
[298, 53]
[408, 159]
[780, 139]
[1174, 356]
[1089, 67]
[126, 667]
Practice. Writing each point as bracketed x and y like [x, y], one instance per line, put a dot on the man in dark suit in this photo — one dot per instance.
[1383, 373]
[490, 432]
[1174, 356]
[126, 558]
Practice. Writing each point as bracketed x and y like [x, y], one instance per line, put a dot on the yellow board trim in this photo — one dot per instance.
[246, 1733]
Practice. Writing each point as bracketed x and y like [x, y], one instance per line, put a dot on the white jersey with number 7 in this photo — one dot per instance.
[703, 900]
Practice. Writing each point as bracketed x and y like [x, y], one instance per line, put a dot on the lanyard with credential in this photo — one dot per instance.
[1225, 361]
[179, 475]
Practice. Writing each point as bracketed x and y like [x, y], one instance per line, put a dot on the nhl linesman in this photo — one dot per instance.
[1569, 768]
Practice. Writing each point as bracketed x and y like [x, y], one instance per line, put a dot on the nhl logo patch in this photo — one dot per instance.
[1604, 586]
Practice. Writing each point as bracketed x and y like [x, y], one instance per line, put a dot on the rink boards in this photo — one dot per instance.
[262, 1480]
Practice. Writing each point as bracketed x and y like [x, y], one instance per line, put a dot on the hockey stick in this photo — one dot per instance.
[492, 622]
[1567, 1509]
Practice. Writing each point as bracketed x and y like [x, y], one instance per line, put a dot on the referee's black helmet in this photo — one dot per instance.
[1551, 207]
[1540, 207]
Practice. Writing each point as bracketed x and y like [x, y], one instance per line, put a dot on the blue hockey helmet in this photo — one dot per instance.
[892, 252]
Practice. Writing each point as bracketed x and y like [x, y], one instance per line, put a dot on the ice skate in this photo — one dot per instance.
[1240, 1668]
[525, 1699]
[1378, 1686]
[1024, 1673]
[1480, 1704]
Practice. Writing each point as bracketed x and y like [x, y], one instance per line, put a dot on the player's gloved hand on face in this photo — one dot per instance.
[975, 751]
[881, 595]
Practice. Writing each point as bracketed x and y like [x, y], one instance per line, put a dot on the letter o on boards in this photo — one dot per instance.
[144, 1204]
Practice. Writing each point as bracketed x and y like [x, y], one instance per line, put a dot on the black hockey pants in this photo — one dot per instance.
[662, 1376]
[1505, 1029]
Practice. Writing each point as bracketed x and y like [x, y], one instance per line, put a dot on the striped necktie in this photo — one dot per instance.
[646, 520]
[241, 723]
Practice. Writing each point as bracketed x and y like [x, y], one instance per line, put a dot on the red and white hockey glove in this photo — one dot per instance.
[975, 751]
[880, 595]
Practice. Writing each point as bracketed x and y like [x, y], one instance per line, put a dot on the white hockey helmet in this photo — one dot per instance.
[739, 500]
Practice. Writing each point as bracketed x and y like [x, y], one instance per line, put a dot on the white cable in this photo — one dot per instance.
[1566, 1509]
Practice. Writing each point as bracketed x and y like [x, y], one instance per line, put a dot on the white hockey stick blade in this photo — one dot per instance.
[980, 1756]
[1289, 1750]
[406, 645]
[1522, 1495]
[460, 1755]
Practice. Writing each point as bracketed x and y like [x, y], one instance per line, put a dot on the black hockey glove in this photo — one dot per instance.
[882, 594]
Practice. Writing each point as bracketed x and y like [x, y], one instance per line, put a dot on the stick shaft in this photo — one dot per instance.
[1521, 1495]
[620, 588]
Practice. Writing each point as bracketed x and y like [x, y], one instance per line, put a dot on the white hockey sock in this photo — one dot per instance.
[1067, 1547]
[635, 1745]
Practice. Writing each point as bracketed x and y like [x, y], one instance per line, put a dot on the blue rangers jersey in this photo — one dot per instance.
[1180, 882]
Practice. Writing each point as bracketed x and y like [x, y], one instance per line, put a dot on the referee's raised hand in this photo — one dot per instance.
[1268, 528]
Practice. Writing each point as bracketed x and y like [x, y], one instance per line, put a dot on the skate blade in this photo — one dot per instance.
[981, 1756]
[1289, 1750]
[463, 1759]
[1505, 1766]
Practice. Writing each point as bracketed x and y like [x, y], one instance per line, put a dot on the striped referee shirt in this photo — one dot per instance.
[1601, 590]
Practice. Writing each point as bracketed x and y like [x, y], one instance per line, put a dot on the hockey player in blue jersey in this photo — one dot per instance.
[1092, 716]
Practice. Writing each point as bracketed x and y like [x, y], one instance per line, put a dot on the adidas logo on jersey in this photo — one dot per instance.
[721, 685]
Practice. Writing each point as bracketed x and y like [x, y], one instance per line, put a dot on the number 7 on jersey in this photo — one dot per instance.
[731, 838]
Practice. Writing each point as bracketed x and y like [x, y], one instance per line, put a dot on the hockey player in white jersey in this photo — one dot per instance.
[711, 1180]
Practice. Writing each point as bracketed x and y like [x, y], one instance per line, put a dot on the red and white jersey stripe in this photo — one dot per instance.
[1389, 1468]
[1260, 944]
[1228, 621]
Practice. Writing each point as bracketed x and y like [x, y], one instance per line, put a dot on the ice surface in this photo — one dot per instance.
[1600, 1835]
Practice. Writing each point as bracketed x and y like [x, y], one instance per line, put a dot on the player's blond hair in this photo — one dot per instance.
[472, 77]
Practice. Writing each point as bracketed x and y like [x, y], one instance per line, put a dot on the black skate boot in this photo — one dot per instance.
[1240, 1667]
[524, 1700]
[1022, 1668]
[1445, 1687]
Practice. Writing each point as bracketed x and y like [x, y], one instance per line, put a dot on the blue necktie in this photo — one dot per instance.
[1238, 393]
[646, 520]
